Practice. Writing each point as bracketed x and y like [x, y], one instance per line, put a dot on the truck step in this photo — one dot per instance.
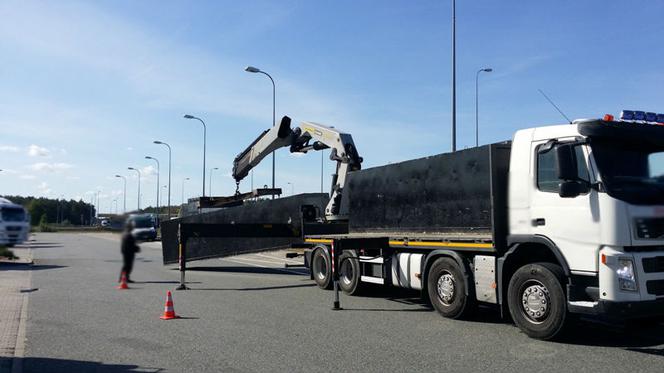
[373, 280]
[371, 259]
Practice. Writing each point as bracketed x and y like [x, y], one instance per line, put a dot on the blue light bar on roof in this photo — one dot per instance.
[639, 115]
[660, 118]
[627, 115]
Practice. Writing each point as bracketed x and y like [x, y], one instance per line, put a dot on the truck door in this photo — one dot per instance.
[571, 223]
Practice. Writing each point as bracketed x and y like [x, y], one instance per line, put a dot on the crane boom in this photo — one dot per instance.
[308, 136]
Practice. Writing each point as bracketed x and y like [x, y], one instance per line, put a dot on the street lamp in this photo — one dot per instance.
[182, 198]
[453, 75]
[124, 194]
[204, 140]
[210, 186]
[251, 69]
[156, 160]
[477, 126]
[97, 208]
[169, 175]
[139, 186]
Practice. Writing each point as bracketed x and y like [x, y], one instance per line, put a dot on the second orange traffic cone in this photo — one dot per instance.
[123, 282]
[169, 311]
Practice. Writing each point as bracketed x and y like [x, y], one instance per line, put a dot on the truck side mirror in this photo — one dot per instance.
[571, 189]
[566, 169]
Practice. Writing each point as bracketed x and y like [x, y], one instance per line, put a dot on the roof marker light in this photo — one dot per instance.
[639, 115]
[608, 118]
[651, 117]
[627, 115]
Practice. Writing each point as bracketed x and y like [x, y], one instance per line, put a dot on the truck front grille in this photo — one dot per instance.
[655, 287]
[649, 228]
[654, 264]
[13, 228]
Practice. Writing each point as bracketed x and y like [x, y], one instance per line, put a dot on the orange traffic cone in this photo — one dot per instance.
[169, 311]
[123, 282]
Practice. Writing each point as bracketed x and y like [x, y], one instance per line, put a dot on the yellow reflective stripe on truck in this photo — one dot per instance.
[442, 244]
[420, 243]
[316, 240]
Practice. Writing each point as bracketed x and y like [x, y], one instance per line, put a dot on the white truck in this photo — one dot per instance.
[14, 223]
[563, 219]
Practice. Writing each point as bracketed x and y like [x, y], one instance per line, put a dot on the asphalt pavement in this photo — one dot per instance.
[250, 314]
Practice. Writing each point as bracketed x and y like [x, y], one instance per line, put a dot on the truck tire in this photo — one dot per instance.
[536, 300]
[321, 268]
[349, 274]
[447, 289]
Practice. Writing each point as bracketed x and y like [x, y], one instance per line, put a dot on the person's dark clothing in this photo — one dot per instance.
[129, 250]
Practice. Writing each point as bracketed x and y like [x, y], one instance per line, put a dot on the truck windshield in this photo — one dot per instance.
[631, 172]
[13, 214]
[143, 223]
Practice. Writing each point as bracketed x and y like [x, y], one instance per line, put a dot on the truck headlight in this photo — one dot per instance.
[626, 277]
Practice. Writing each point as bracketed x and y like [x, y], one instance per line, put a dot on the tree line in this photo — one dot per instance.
[55, 211]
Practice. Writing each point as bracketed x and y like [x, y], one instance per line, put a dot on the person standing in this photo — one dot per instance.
[129, 249]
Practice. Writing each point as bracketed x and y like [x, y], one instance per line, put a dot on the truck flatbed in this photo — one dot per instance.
[481, 240]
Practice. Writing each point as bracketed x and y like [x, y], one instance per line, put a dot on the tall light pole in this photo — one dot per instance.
[97, 207]
[321, 171]
[477, 105]
[204, 140]
[210, 186]
[156, 160]
[139, 186]
[169, 175]
[453, 75]
[252, 69]
[182, 190]
[124, 194]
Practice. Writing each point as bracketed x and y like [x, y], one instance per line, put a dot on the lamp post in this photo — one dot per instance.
[139, 186]
[210, 186]
[124, 194]
[204, 141]
[156, 160]
[453, 75]
[182, 198]
[477, 85]
[169, 175]
[254, 70]
[97, 207]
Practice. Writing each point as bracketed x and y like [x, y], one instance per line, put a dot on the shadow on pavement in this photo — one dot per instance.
[238, 269]
[42, 364]
[43, 246]
[29, 267]
[630, 336]
[165, 282]
[259, 288]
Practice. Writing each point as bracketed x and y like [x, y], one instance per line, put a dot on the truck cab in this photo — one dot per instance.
[14, 223]
[592, 193]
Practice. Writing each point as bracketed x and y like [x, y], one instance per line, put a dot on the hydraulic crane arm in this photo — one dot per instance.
[308, 136]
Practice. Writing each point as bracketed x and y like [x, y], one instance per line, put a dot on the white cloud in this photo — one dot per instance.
[73, 178]
[38, 151]
[130, 148]
[148, 171]
[50, 167]
[27, 177]
[9, 149]
[43, 188]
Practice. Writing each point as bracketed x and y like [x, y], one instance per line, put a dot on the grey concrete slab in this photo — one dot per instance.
[249, 314]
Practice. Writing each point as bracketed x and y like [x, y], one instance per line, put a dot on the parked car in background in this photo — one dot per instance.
[14, 223]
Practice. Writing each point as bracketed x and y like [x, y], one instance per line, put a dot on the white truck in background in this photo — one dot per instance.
[14, 223]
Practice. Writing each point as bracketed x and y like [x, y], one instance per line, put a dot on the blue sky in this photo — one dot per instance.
[85, 87]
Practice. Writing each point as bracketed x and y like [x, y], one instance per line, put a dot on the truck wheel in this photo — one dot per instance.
[447, 289]
[321, 269]
[537, 301]
[349, 274]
